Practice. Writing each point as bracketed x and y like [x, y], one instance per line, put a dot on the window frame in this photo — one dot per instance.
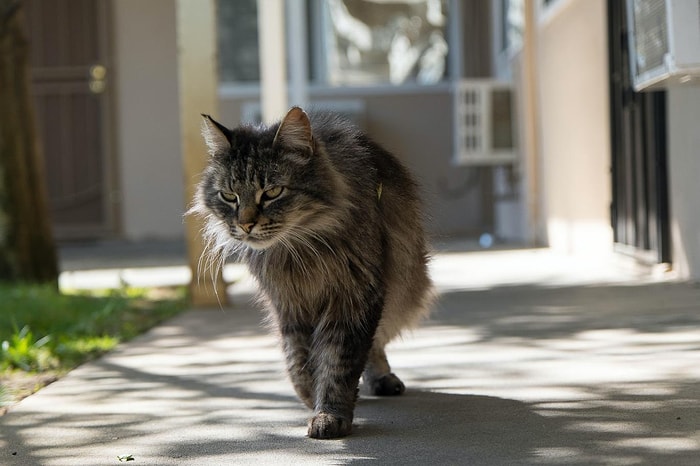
[309, 54]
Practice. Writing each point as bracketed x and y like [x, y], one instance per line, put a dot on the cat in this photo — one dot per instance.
[330, 225]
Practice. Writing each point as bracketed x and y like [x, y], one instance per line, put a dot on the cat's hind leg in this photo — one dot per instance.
[377, 375]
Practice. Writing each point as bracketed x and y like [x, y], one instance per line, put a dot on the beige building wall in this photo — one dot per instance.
[684, 170]
[572, 75]
[418, 129]
[148, 129]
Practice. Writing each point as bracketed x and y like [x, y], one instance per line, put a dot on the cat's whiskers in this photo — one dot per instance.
[295, 255]
[305, 237]
[212, 245]
[305, 240]
[218, 245]
[318, 237]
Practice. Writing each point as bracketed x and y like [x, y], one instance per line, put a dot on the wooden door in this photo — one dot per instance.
[69, 42]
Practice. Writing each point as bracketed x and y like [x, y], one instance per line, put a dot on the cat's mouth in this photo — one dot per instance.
[257, 243]
[254, 241]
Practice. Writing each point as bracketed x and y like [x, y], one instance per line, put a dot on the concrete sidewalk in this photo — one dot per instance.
[529, 358]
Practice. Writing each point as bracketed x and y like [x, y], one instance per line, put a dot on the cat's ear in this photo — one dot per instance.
[216, 135]
[295, 130]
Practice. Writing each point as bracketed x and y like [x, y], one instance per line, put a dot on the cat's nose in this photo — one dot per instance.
[247, 227]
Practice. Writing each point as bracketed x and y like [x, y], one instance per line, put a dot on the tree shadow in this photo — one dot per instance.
[542, 312]
[514, 375]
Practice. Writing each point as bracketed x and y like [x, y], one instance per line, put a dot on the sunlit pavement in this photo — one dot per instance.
[529, 358]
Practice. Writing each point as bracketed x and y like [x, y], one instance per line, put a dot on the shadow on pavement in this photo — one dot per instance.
[508, 375]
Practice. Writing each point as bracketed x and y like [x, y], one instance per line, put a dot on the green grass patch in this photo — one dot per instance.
[44, 330]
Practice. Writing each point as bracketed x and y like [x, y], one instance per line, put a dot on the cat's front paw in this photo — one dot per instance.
[328, 426]
[387, 385]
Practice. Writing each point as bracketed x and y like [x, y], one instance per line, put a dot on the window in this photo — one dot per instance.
[513, 24]
[351, 42]
[237, 22]
[509, 28]
[376, 42]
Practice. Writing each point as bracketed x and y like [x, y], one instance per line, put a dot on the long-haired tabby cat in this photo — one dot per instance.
[329, 223]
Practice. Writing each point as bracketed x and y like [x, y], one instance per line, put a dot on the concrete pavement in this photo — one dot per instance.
[529, 358]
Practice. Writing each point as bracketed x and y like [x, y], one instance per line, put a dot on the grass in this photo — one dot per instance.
[43, 331]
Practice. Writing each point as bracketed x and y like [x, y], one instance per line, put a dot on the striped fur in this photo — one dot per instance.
[329, 223]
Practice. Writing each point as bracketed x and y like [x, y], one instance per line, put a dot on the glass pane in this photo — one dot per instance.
[514, 15]
[502, 120]
[651, 38]
[238, 41]
[379, 41]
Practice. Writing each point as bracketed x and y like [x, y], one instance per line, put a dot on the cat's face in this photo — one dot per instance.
[255, 207]
[259, 187]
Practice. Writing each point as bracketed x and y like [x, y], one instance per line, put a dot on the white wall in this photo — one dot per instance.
[148, 131]
[684, 173]
[572, 72]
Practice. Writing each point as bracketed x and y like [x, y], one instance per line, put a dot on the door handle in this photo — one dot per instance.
[98, 73]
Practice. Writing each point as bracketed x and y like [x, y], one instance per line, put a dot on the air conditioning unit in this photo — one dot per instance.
[484, 124]
[664, 42]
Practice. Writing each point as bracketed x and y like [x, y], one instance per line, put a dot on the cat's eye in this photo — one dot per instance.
[229, 198]
[272, 193]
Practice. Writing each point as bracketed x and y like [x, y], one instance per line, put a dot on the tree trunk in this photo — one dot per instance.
[27, 250]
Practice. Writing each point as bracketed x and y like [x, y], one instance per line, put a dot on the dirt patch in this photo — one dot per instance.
[19, 385]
